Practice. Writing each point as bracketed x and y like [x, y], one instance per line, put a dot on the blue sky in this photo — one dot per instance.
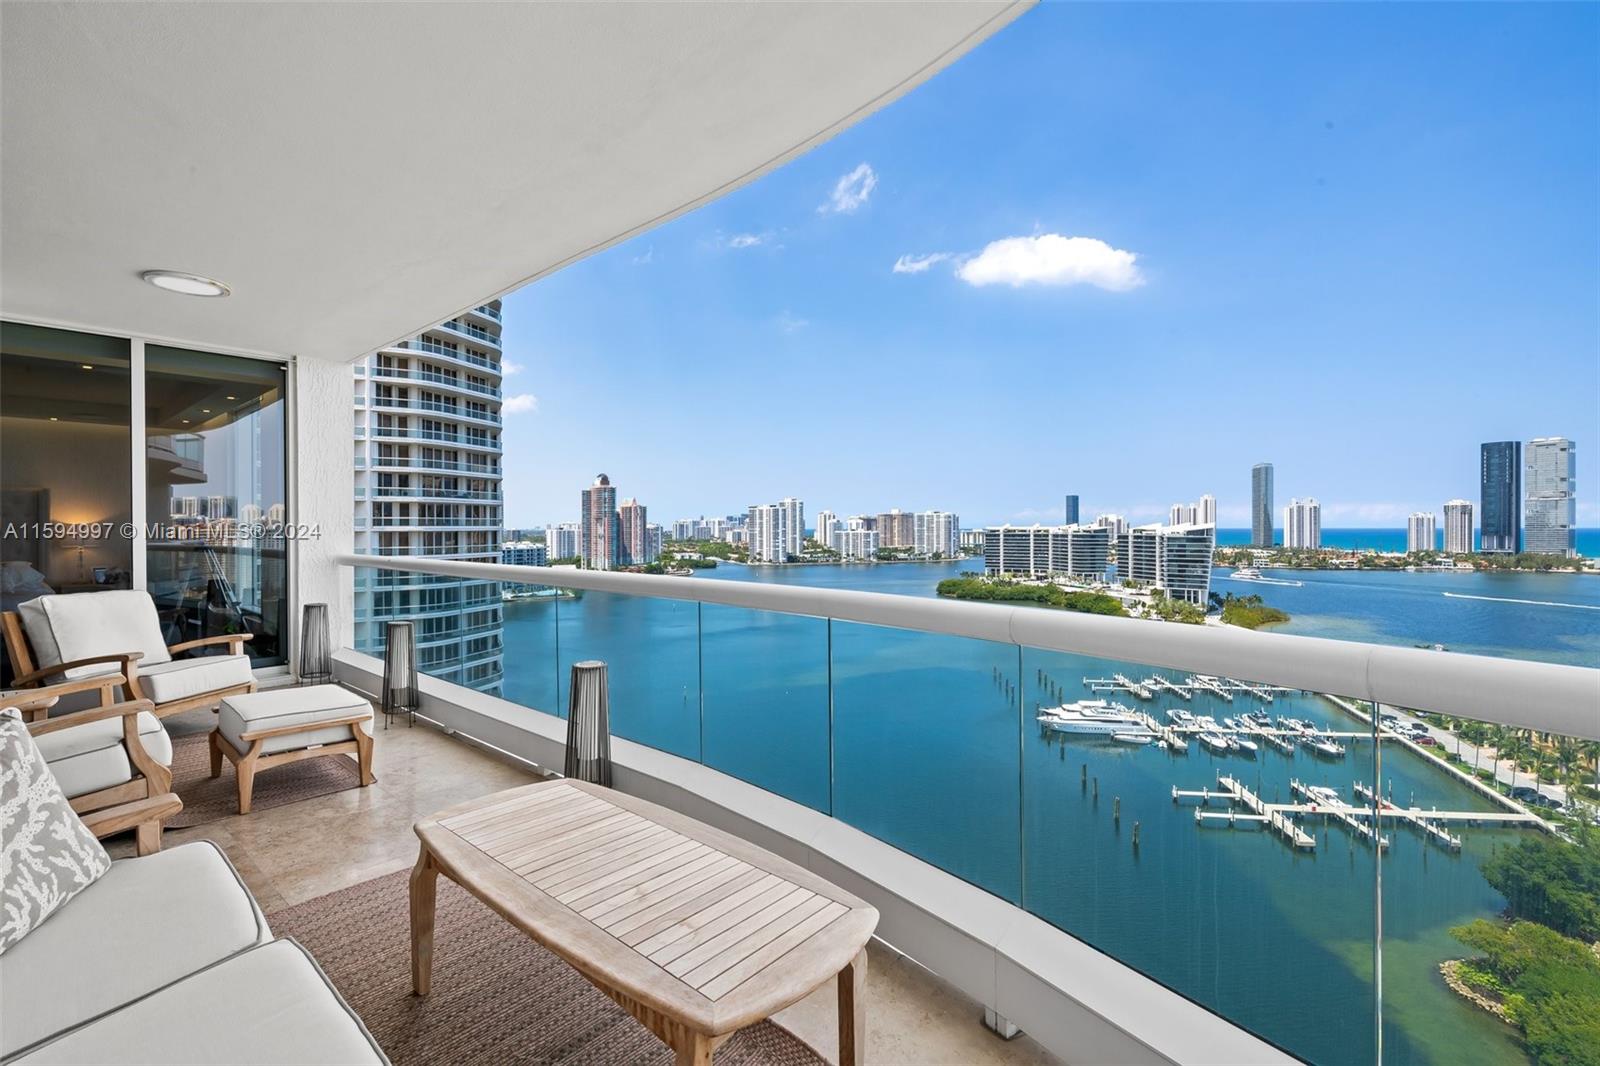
[1168, 241]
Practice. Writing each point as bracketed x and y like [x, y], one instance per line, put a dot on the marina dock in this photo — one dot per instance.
[1434, 832]
[1270, 814]
[1210, 684]
[1161, 684]
[1342, 813]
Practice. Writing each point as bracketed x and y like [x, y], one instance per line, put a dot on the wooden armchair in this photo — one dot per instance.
[150, 669]
[110, 795]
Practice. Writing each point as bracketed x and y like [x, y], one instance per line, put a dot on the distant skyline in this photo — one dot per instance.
[1122, 252]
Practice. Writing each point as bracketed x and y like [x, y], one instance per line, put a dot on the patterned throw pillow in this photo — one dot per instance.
[47, 854]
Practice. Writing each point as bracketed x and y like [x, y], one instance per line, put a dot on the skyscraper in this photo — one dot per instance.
[896, 529]
[1117, 524]
[936, 533]
[1208, 510]
[1261, 505]
[1072, 511]
[561, 541]
[1302, 524]
[1500, 478]
[1420, 532]
[1551, 481]
[1458, 527]
[597, 526]
[1175, 559]
[633, 548]
[794, 525]
[427, 484]
[766, 535]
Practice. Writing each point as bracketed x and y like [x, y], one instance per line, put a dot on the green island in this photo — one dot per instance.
[1003, 591]
[1247, 612]
[1539, 968]
[1370, 559]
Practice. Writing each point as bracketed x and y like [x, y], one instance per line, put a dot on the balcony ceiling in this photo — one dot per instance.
[357, 172]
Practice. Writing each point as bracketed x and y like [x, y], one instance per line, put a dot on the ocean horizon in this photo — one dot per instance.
[1385, 539]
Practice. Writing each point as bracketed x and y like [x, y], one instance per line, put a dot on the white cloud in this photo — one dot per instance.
[790, 323]
[647, 257]
[851, 191]
[917, 264]
[1051, 259]
[507, 368]
[746, 240]
[520, 404]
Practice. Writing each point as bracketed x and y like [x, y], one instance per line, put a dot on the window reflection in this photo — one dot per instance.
[217, 556]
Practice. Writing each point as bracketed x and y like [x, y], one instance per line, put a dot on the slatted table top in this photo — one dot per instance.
[675, 914]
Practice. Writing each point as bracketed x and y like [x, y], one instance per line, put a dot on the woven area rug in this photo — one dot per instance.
[207, 800]
[497, 997]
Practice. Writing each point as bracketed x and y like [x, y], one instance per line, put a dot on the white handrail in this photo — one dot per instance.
[1546, 697]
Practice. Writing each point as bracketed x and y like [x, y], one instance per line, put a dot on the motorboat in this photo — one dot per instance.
[1133, 738]
[1216, 742]
[1179, 716]
[1321, 745]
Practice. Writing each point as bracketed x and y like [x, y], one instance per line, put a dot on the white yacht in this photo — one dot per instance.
[1093, 716]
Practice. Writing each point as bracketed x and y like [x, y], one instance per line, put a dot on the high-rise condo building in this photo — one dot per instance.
[1500, 498]
[896, 529]
[1420, 532]
[1175, 559]
[1117, 524]
[652, 542]
[936, 533]
[632, 521]
[794, 526]
[1550, 477]
[1302, 524]
[1458, 527]
[1208, 510]
[598, 526]
[427, 484]
[1081, 551]
[685, 529]
[766, 533]
[1261, 505]
[524, 553]
[827, 525]
[856, 539]
[1183, 514]
[561, 541]
[1071, 511]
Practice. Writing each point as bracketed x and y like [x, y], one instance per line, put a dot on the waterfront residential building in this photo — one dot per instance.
[1071, 518]
[1500, 497]
[1174, 559]
[1551, 482]
[857, 539]
[524, 553]
[1208, 510]
[1302, 524]
[652, 542]
[766, 533]
[896, 529]
[1458, 527]
[685, 529]
[561, 541]
[1261, 505]
[597, 526]
[1039, 550]
[936, 533]
[1115, 523]
[827, 525]
[632, 520]
[972, 539]
[1421, 533]
[428, 485]
[794, 526]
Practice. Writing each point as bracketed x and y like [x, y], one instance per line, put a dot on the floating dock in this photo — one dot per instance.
[1176, 741]
[1161, 684]
[1211, 685]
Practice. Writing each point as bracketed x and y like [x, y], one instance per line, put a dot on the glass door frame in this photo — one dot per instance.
[138, 447]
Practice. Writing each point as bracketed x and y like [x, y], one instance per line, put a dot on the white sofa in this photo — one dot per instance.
[168, 959]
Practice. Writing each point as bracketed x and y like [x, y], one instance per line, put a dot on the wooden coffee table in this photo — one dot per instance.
[695, 932]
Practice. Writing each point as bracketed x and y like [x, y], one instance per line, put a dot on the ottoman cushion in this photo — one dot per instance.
[291, 706]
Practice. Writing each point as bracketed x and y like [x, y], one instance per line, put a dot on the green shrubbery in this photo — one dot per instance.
[1549, 985]
[977, 588]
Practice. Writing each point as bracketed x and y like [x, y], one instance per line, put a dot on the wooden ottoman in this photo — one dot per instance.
[260, 730]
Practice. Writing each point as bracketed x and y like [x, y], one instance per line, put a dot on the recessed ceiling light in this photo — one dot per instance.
[53, 418]
[205, 410]
[230, 397]
[186, 421]
[86, 366]
[187, 284]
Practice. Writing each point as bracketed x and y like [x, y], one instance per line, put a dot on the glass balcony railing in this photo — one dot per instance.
[489, 311]
[434, 348]
[1352, 887]
[470, 330]
[436, 379]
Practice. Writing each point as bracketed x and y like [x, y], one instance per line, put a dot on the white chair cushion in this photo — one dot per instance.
[87, 758]
[64, 628]
[182, 678]
[291, 706]
[147, 923]
[268, 1006]
[47, 854]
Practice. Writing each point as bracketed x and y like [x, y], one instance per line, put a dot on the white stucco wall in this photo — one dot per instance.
[324, 485]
